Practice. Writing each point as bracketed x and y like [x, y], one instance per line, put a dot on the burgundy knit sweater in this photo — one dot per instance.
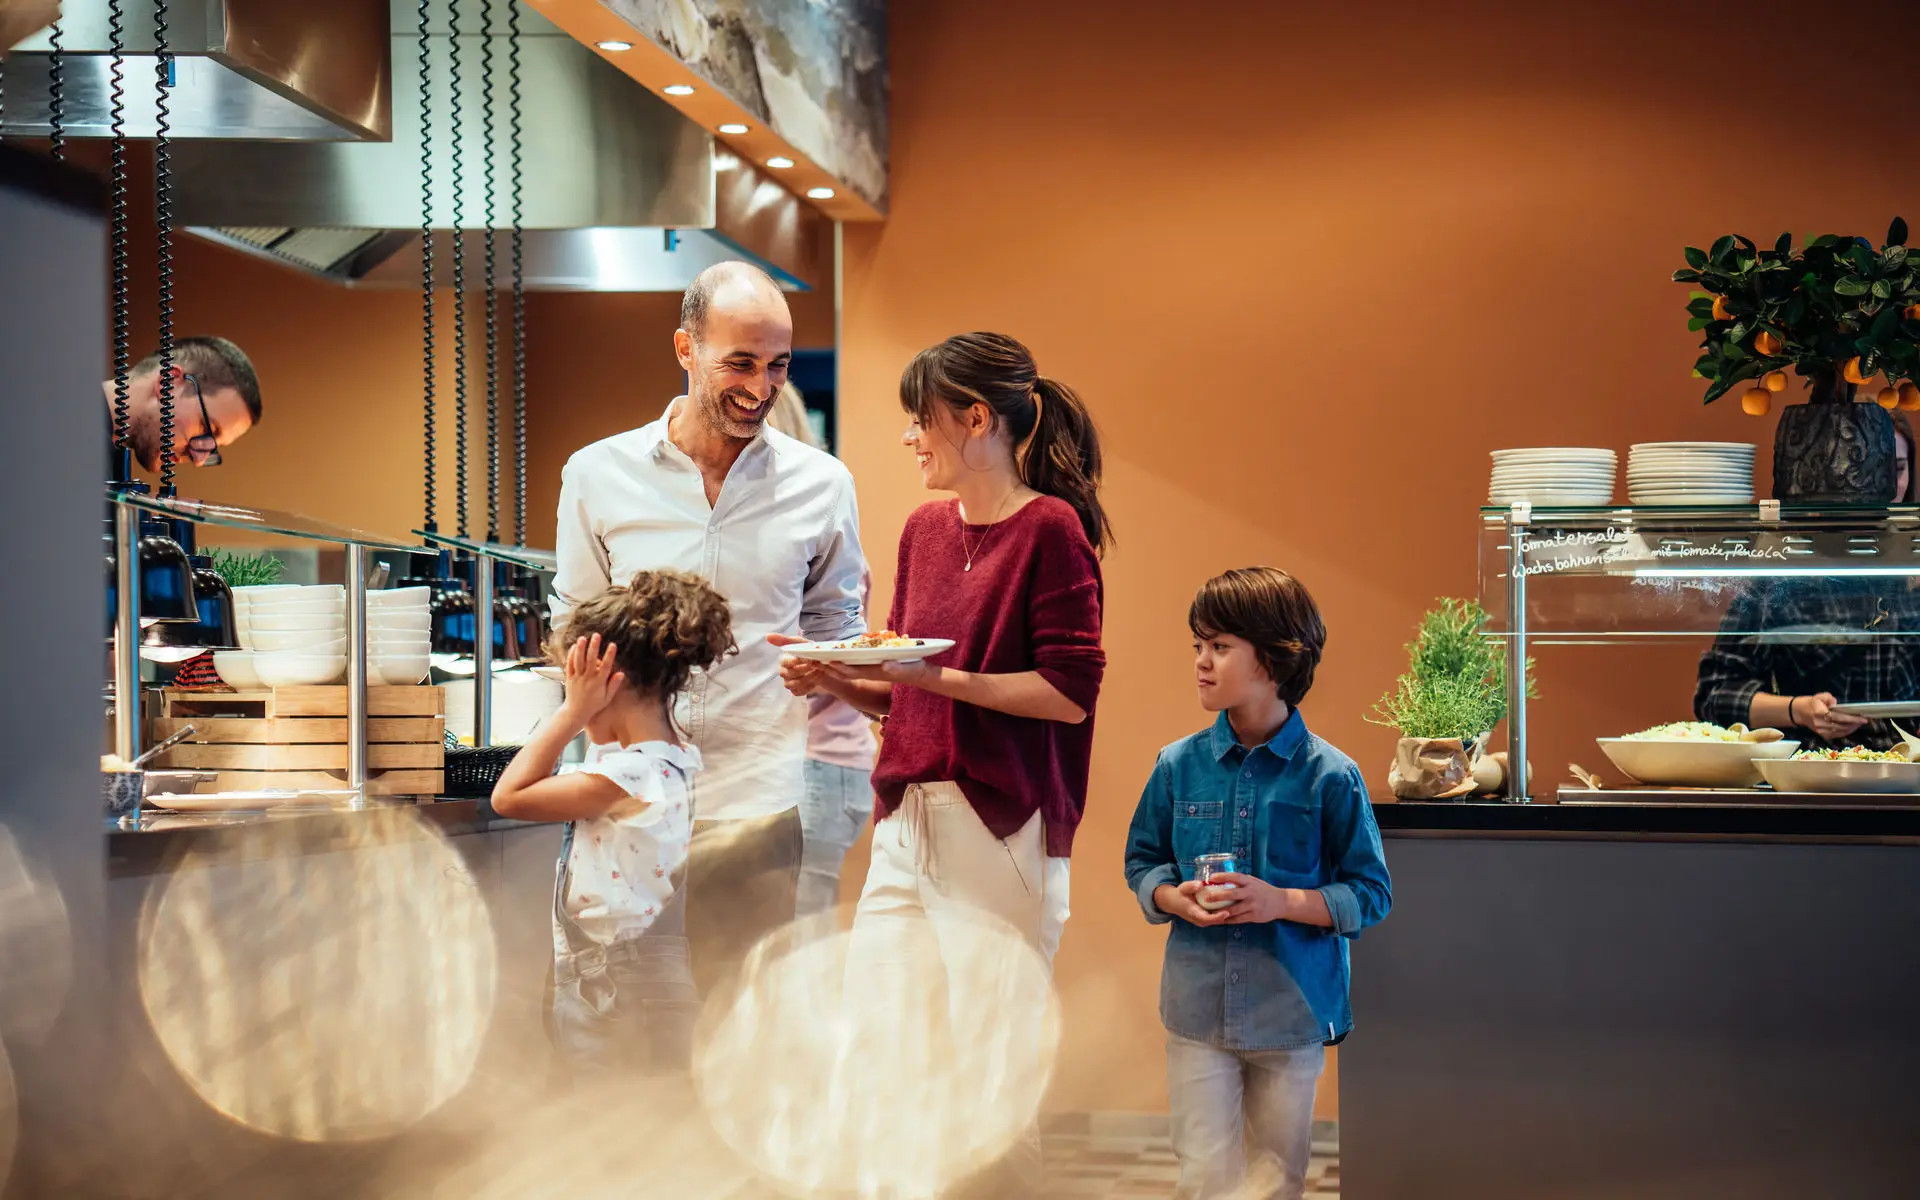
[1032, 602]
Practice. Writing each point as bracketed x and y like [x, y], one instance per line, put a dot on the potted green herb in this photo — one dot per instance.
[1839, 314]
[1446, 705]
[247, 570]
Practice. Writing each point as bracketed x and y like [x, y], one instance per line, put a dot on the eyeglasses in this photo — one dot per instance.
[202, 448]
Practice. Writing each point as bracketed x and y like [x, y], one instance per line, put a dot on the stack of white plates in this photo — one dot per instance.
[1553, 476]
[1665, 473]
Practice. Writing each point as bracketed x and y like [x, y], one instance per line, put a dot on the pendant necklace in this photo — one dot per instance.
[974, 549]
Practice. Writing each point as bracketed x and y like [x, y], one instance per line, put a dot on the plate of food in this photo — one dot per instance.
[1878, 709]
[870, 649]
[1697, 754]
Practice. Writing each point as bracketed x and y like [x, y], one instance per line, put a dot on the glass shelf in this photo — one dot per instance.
[258, 520]
[519, 556]
[1802, 574]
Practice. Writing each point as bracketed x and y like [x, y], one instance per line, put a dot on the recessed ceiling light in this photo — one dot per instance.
[678, 89]
[614, 47]
[779, 162]
[819, 193]
[732, 128]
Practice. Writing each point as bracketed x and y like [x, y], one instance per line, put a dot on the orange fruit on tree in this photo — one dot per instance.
[1766, 344]
[1720, 312]
[1852, 373]
[1756, 401]
[1889, 398]
[1775, 381]
[1910, 396]
[1913, 314]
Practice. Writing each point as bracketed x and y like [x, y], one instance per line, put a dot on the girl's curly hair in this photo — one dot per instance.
[664, 625]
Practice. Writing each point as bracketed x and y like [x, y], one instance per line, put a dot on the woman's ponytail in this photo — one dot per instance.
[1062, 457]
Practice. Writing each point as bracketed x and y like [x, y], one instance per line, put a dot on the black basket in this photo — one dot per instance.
[471, 771]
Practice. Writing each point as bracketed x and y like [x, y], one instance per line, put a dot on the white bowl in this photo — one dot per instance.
[406, 597]
[1836, 775]
[388, 641]
[299, 670]
[245, 594]
[305, 641]
[1693, 762]
[416, 625]
[296, 622]
[398, 670]
[296, 608]
[235, 668]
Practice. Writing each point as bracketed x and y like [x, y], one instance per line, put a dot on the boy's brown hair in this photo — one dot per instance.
[663, 625]
[1272, 611]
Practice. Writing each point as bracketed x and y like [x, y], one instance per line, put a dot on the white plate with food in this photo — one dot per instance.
[242, 801]
[870, 650]
[1697, 754]
[1855, 770]
[1877, 710]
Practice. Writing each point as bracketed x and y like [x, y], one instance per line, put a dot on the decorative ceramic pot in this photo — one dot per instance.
[1831, 450]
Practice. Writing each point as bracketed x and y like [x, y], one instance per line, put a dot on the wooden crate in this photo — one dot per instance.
[297, 737]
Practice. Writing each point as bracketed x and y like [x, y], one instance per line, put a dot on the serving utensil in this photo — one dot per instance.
[168, 743]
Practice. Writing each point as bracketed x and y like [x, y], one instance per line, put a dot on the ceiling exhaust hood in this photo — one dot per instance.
[617, 187]
[241, 69]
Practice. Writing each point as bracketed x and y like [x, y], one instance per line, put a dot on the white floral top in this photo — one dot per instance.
[622, 866]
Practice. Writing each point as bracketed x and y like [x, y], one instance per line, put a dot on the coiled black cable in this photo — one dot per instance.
[163, 231]
[117, 171]
[459, 286]
[56, 93]
[519, 282]
[426, 263]
[493, 297]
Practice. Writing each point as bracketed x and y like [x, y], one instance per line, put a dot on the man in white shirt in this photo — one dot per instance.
[771, 523]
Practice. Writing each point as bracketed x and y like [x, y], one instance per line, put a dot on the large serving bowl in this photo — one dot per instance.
[406, 597]
[1839, 775]
[1693, 762]
[289, 608]
[235, 668]
[398, 669]
[299, 670]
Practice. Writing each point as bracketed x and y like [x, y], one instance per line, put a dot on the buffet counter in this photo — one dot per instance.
[1675, 998]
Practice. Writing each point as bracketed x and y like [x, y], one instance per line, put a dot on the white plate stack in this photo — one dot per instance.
[1553, 477]
[1686, 473]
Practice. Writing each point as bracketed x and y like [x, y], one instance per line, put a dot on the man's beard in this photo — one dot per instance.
[722, 417]
[143, 438]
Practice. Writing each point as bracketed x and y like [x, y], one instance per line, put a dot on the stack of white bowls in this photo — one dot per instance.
[1670, 473]
[1553, 477]
[297, 636]
[399, 635]
[290, 636]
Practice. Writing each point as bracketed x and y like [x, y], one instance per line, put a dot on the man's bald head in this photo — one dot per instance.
[735, 343]
[727, 286]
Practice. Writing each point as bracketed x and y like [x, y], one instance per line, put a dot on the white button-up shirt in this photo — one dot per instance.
[781, 543]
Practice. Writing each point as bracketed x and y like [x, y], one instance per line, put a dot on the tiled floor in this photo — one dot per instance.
[1133, 1158]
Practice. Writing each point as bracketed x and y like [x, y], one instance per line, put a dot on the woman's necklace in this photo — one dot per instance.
[971, 550]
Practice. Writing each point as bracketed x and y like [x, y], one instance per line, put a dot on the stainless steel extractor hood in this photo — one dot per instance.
[242, 69]
[617, 187]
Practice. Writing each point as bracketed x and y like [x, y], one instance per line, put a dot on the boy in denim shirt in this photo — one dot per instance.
[1254, 986]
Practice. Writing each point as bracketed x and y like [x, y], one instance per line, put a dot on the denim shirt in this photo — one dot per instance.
[1293, 812]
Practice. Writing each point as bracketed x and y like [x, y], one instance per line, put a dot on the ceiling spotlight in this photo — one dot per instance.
[614, 47]
[819, 193]
[678, 89]
[779, 162]
[733, 129]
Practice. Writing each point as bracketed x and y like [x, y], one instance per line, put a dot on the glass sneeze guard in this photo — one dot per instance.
[259, 520]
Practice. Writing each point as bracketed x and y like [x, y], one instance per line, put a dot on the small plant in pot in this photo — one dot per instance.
[1838, 313]
[1446, 706]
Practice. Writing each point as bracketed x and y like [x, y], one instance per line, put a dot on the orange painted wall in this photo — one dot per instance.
[1309, 263]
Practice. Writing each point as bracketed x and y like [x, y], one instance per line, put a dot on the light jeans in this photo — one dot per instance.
[833, 813]
[921, 958]
[1232, 1105]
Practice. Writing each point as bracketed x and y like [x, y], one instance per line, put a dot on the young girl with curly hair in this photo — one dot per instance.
[623, 992]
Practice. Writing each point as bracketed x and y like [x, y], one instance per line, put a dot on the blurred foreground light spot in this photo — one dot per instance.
[36, 947]
[321, 979]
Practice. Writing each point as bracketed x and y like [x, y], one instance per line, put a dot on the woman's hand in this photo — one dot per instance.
[912, 674]
[592, 679]
[803, 677]
[1816, 713]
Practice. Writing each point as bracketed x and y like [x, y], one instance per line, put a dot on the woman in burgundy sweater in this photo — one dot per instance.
[982, 775]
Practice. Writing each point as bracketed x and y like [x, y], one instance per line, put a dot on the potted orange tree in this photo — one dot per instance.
[1838, 313]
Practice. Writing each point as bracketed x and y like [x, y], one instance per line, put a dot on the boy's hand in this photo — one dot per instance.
[1256, 901]
[1183, 901]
